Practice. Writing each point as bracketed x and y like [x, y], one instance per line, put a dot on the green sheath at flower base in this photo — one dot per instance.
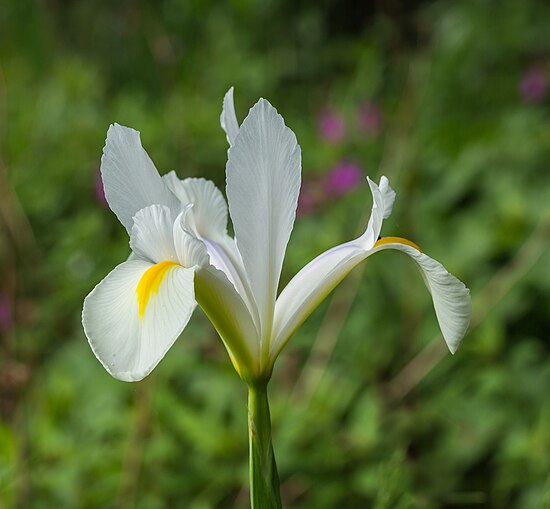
[182, 255]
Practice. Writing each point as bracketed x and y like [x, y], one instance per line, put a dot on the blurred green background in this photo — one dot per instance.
[448, 99]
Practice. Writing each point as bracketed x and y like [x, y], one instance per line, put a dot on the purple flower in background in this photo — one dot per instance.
[99, 191]
[6, 316]
[331, 126]
[343, 178]
[369, 118]
[306, 200]
[533, 85]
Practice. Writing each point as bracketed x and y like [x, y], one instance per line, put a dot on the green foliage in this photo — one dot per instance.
[368, 410]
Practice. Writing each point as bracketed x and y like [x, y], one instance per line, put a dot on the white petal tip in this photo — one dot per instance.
[118, 134]
[265, 104]
[115, 127]
[128, 376]
[463, 310]
[228, 119]
[450, 296]
[453, 347]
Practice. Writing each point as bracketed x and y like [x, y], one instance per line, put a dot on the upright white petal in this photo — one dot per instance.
[450, 296]
[228, 118]
[135, 314]
[263, 182]
[130, 178]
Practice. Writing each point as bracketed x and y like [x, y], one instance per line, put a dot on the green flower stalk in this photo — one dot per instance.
[264, 478]
[182, 256]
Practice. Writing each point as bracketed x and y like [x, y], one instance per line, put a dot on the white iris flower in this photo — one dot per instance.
[182, 254]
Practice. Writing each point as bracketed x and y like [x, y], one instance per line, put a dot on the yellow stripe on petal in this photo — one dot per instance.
[149, 283]
[395, 240]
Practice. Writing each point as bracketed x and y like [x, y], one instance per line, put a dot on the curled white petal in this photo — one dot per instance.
[190, 251]
[388, 196]
[151, 237]
[208, 216]
[228, 118]
[157, 237]
[383, 197]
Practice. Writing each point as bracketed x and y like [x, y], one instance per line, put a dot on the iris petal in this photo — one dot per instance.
[130, 179]
[263, 182]
[130, 338]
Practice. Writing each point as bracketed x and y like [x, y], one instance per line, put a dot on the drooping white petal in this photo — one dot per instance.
[450, 296]
[130, 178]
[208, 216]
[135, 314]
[151, 237]
[319, 277]
[228, 118]
[263, 182]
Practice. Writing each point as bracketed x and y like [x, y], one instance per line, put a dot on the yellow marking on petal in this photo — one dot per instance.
[395, 240]
[149, 283]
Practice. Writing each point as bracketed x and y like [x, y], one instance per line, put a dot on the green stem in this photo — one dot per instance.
[264, 480]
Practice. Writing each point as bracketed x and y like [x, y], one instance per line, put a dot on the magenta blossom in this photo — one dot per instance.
[533, 85]
[308, 199]
[331, 126]
[100, 191]
[6, 315]
[343, 178]
[369, 118]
